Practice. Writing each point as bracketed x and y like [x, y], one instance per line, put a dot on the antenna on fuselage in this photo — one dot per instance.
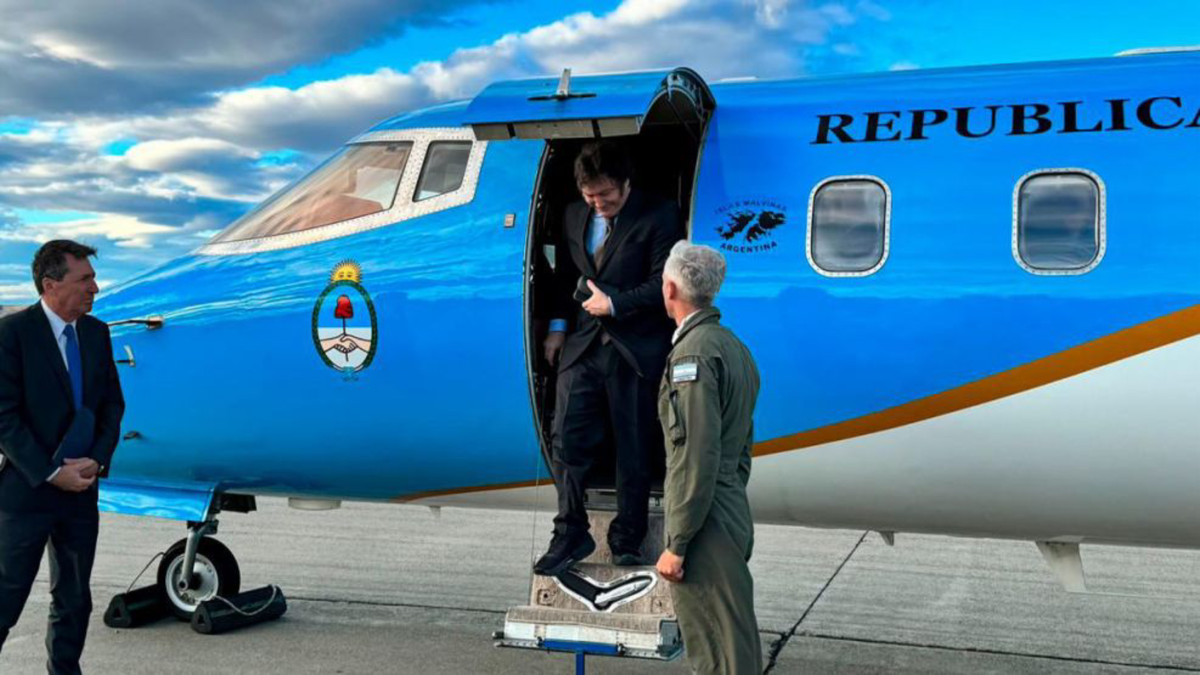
[564, 84]
[563, 93]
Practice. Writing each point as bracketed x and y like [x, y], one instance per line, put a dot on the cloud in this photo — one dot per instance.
[119, 55]
[206, 167]
[8, 219]
[117, 230]
[307, 118]
[36, 145]
[187, 154]
[15, 295]
[768, 39]
[204, 150]
[873, 10]
[127, 246]
[164, 182]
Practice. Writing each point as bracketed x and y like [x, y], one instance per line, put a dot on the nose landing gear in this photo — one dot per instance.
[199, 582]
[195, 569]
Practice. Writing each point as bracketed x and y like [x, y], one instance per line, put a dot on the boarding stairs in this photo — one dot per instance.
[597, 607]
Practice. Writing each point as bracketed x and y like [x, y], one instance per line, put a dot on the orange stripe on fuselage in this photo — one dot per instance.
[402, 499]
[1087, 356]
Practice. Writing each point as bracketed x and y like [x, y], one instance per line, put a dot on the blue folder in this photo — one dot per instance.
[77, 442]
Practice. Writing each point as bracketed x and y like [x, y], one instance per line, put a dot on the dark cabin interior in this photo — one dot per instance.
[665, 156]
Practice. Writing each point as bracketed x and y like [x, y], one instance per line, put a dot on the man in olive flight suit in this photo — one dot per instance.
[706, 406]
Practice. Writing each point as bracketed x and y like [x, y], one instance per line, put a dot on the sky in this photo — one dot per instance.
[145, 127]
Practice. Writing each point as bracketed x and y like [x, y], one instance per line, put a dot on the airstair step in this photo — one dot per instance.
[653, 636]
[652, 545]
[599, 608]
[559, 593]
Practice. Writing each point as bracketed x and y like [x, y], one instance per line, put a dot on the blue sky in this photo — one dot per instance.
[144, 128]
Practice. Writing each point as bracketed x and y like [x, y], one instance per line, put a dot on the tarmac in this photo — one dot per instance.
[376, 588]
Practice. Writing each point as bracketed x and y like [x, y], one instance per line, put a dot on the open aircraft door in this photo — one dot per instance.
[659, 116]
[593, 106]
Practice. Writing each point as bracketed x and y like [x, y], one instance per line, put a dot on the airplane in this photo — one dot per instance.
[971, 293]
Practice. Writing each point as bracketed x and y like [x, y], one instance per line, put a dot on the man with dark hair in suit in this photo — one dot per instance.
[60, 416]
[610, 342]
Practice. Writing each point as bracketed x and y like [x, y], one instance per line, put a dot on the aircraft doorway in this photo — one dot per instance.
[659, 117]
[665, 154]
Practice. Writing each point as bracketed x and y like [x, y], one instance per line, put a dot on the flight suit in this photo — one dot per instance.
[706, 406]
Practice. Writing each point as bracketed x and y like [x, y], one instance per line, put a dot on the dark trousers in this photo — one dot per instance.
[603, 406]
[72, 539]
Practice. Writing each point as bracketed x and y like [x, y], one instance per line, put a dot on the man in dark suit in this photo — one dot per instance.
[610, 340]
[59, 396]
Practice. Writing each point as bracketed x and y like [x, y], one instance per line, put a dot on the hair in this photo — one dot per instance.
[603, 159]
[51, 260]
[698, 271]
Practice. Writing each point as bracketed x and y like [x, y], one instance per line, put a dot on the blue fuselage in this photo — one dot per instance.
[232, 394]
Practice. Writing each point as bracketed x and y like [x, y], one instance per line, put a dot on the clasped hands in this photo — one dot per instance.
[76, 474]
[345, 343]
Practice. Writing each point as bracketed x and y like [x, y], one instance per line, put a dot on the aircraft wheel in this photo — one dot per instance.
[216, 573]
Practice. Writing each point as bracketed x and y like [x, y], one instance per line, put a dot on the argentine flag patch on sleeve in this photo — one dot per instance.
[684, 372]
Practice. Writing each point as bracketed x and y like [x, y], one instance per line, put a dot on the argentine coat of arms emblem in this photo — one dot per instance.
[344, 328]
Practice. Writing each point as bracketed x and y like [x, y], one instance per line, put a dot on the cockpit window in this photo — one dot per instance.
[382, 178]
[360, 180]
[445, 166]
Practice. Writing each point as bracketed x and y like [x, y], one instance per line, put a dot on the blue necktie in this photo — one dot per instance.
[74, 366]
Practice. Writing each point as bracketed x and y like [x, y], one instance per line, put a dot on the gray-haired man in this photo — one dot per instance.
[706, 406]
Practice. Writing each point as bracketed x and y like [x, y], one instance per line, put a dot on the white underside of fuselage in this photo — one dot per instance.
[1111, 455]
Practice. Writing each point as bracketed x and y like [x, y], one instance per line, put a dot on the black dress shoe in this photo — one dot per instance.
[626, 556]
[628, 559]
[564, 551]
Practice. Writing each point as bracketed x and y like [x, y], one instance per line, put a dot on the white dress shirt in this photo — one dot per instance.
[57, 325]
[597, 231]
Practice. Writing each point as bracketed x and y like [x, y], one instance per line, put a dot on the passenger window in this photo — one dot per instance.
[1059, 228]
[360, 180]
[445, 166]
[848, 226]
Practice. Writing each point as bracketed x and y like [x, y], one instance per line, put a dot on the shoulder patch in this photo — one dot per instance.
[684, 372]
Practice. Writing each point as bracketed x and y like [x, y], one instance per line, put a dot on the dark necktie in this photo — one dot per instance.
[598, 255]
[74, 366]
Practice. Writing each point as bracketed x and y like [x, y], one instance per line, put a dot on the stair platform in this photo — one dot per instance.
[597, 607]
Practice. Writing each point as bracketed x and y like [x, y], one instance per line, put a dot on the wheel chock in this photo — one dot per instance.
[221, 615]
[135, 608]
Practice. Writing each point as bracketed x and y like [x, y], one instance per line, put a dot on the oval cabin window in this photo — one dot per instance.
[848, 226]
[1059, 223]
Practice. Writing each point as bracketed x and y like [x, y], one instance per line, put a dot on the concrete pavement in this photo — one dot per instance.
[393, 589]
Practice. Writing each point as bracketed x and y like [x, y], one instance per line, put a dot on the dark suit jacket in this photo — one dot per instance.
[36, 408]
[630, 272]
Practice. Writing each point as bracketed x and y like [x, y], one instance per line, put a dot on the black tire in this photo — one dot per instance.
[219, 571]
